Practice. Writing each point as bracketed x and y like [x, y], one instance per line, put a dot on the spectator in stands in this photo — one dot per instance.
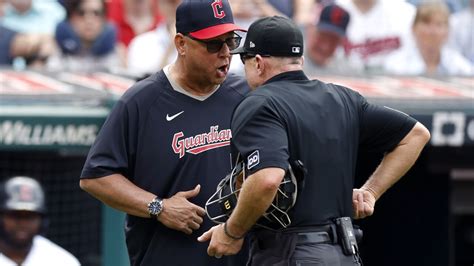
[323, 40]
[377, 28]
[33, 48]
[247, 11]
[298, 10]
[462, 33]
[32, 16]
[454, 5]
[22, 221]
[428, 54]
[151, 51]
[87, 42]
[133, 17]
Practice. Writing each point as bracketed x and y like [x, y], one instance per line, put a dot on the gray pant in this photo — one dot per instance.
[320, 255]
[283, 249]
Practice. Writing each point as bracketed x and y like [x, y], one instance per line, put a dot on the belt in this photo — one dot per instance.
[313, 238]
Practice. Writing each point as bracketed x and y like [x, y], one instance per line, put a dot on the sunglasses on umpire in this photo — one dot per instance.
[214, 46]
[245, 57]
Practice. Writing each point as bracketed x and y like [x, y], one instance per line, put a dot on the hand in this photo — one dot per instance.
[180, 214]
[363, 202]
[220, 243]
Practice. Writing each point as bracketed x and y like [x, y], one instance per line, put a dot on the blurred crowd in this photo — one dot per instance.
[416, 37]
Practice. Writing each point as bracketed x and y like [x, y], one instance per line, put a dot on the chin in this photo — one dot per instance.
[220, 80]
[22, 243]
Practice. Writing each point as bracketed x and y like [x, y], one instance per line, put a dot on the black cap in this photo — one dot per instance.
[274, 36]
[335, 19]
[205, 19]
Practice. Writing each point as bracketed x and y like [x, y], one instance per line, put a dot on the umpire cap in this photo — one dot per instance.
[205, 19]
[273, 36]
[21, 193]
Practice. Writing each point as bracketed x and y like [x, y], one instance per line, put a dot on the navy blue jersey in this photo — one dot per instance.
[324, 126]
[166, 142]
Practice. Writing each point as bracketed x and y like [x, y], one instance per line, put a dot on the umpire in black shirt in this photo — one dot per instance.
[288, 117]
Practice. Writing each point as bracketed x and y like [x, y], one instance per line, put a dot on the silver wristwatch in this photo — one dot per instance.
[155, 207]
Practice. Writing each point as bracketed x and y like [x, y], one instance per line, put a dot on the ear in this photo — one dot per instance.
[180, 43]
[260, 65]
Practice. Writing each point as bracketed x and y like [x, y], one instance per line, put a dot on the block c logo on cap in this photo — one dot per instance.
[217, 8]
[295, 49]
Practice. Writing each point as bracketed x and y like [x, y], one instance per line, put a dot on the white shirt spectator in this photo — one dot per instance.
[462, 32]
[408, 61]
[44, 252]
[42, 17]
[150, 51]
[373, 35]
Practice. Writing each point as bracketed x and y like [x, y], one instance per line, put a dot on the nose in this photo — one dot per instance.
[224, 51]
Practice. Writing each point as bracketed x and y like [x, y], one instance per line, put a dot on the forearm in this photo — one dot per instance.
[119, 193]
[256, 195]
[397, 162]
[25, 45]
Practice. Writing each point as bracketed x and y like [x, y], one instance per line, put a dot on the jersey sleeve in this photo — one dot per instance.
[111, 151]
[382, 128]
[259, 135]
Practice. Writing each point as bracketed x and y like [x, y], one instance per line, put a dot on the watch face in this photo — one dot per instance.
[154, 207]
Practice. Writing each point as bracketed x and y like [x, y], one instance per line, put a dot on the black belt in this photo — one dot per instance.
[317, 234]
[309, 234]
[313, 238]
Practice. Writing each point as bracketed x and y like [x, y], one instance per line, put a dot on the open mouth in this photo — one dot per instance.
[223, 69]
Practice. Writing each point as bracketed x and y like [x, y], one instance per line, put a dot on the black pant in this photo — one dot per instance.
[283, 249]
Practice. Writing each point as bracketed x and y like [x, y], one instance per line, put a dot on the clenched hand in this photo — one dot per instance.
[363, 203]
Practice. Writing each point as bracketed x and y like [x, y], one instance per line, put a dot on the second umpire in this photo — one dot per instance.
[324, 126]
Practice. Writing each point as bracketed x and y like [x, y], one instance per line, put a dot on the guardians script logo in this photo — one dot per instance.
[201, 142]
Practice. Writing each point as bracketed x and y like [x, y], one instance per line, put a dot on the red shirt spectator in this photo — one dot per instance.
[133, 17]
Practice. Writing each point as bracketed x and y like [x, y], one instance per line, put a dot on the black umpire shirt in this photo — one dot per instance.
[324, 126]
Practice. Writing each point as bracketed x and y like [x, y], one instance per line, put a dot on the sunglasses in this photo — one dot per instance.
[215, 46]
[245, 57]
[95, 13]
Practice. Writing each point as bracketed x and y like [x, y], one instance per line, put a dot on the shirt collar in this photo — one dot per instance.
[290, 75]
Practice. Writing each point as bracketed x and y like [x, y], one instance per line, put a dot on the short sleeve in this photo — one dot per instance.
[259, 134]
[111, 151]
[382, 128]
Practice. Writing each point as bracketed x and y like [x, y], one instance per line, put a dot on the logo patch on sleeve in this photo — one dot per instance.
[253, 159]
